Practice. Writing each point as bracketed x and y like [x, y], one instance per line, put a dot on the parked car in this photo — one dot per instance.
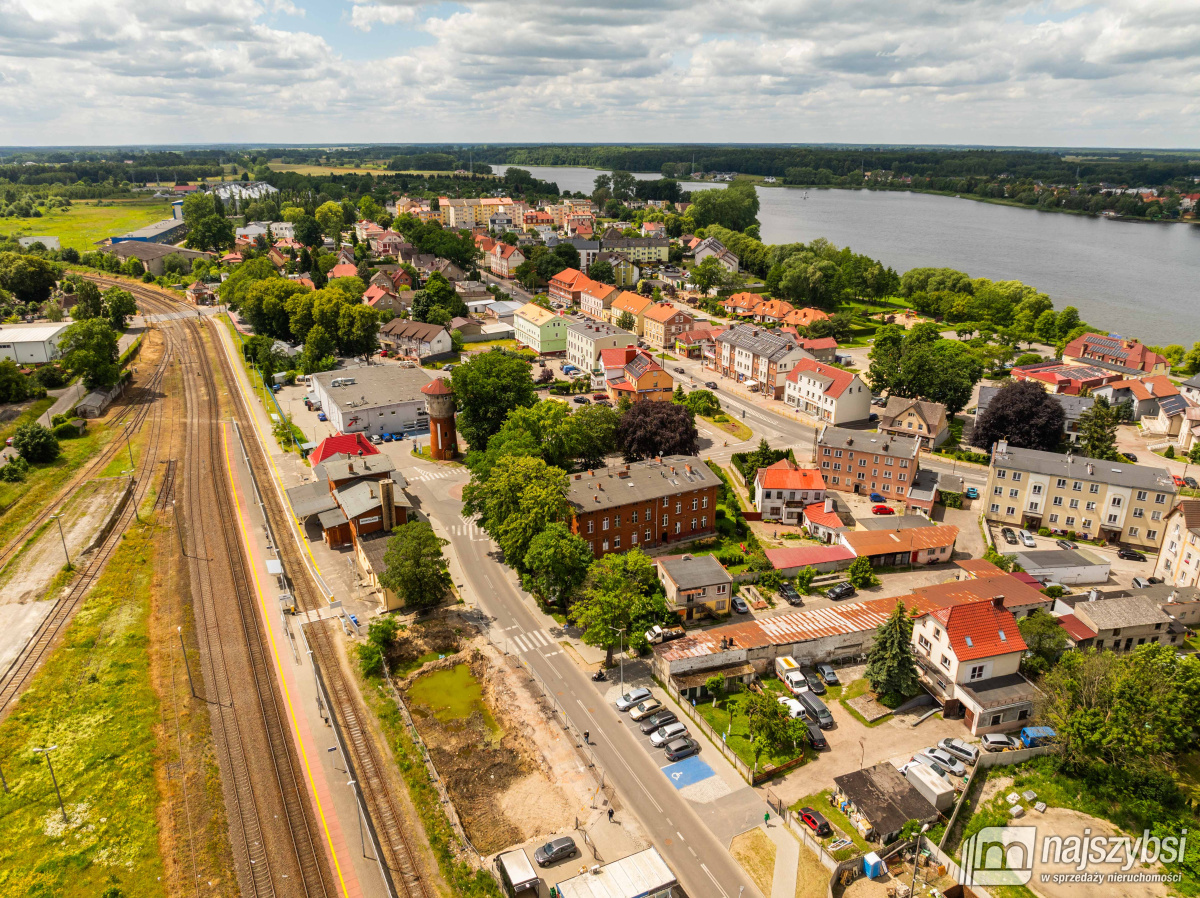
[633, 698]
[1154, 580]
[813, 820]
[968, 754]
[1065, 544]
[882, 509]
[1027, 539]
[1130, 554]
[740, 606]
[1140, 582]
[876, 497]
[1178, 480]
[711, 384]
[946, 761]
[814, 682]
[1010, 535]
[872, 417]
[879, 401]
[1191, 482]
[816, 738]
[644, 709]
[817, 712]
[790, 595]
[841, 591]
[1130, 456]
[599, 397]
[794, 708]
[448, 367]
[920, 758]
[657, 721]
[679, 371]
[555, 850]
[999, 742]
[387, 438]
[971, 493]
[320, 417]
[375, 438]
[669, 733]
[582, 400]
[829, 675]
[682, 748]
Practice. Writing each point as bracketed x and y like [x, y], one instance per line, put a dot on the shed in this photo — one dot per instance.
[641, 875]
[879, 801]
[1070, 567]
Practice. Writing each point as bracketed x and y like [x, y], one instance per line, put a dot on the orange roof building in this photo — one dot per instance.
[782, 490]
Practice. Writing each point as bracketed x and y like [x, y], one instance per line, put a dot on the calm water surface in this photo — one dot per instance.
[1140, 280]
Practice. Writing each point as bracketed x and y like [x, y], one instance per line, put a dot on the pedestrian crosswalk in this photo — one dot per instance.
[469, 529]
[528, 642]
[427, 475]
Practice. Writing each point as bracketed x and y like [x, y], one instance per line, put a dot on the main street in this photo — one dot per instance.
[701, 861]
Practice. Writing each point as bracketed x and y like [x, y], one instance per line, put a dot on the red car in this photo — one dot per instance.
[882, 509]
[1178, 480]
[814, 821]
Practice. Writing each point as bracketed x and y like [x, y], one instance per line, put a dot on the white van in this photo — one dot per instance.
[517, 872]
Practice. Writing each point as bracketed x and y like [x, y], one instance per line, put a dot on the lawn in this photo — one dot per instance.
[94, 700]
[31, 414]
[819, 801]
[726, 716]
[755, 853]
[736, 429]
[86, 222]
[854, 689]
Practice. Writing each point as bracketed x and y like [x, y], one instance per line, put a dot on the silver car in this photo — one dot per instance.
[671, 731]
[632, 697]
[946, 761]
[968, 754]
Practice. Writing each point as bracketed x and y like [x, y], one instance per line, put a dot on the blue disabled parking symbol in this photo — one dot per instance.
[688, 771]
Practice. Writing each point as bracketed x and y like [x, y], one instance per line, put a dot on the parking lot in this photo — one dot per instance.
[1122, 570]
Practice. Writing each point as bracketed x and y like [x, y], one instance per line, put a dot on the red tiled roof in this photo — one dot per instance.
[986, 585]
[841, 379]
[817, 514]
[507, 250]
[568, 277]
[787, 475]
[819, 343]
[879, 542]
[980, 630]
[618, 357]
[700, 334]
[804, 317]
[375, 293]
[345, 270]
[1076, 629]
[774, 308]
[661, 312]
[342, 444]
[1162, 386]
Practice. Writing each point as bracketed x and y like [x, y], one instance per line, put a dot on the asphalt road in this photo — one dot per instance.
[703, 865]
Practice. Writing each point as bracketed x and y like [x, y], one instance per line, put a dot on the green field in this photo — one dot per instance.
[93, 699]
[85, 223]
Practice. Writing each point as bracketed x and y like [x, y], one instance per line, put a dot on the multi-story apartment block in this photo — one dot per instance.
[854, 461]
[1117, 502]
[663, 323]
[595, 299]
[650, 503]
[566, 285]
[637, 249]
[757, 357]
[633, 303]
[1179, 561]
[586, 339]
[694, 584]
[829, 394]
[540, 329]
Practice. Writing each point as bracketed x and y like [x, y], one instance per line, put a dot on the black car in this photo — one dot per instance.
[678, 370]
[555, 850]
[712, 384]
[583, 400]
[1191, 481]
[816, 738]
[814, 682]
[1129, 455]
[1010, 535]
[872, 417]
[841, 591]
[1130, 554]
[654, 721]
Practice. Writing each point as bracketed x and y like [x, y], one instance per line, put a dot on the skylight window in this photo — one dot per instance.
[970, 644]
[1003, 638]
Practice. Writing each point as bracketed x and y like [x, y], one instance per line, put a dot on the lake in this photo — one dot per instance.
[1140, 280]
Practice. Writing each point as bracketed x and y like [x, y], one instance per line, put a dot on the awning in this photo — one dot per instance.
[750, 383]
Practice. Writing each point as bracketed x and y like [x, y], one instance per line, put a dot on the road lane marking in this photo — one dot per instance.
[704, 867]
[628, 769]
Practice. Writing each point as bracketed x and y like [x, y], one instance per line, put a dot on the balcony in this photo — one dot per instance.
[936, 679]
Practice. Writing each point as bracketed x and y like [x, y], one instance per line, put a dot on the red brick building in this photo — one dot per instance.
[651, 503]
[856, 461]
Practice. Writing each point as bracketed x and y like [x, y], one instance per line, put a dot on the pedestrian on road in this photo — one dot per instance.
[767, 819]
[586, 734]
[610, 815]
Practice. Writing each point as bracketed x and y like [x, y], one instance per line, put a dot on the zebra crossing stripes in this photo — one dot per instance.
[527, 642]
[469, 529]
[426, 476]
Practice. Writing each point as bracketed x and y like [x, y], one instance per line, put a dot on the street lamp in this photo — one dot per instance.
[621, 659]
[132, 497]
[46, 751]
[57, 518]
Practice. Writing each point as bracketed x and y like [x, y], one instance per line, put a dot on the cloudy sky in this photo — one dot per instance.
[1108, 73]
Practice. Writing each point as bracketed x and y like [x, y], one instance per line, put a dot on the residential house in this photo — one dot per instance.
[1116, 351]
[633, 303]
[858, 462]
[283, 230]
[632, 373]
[199, 294]
[650, 503]
[699, 342]
[654, 229]
[595, 299]
[825, 520]
[756, 357]
[1190, 388]
[625, 272]
[1143, 395]
[500, 222]
[565, 286]
[772, 311]
[1120, 503]
[504, 259]
[401, 277]
[1178, 563]
[586, 339]
[504, 310]
[969, 656]
[784, 489]
[663, 323]
[823, 349]
[1125, 622]
[637, 249]
[540, 329]
[343, 270]
[829, 394]
[467, 327]
[1073, 408]
[1176, 419]
[383, 299]
[1072, 379]
[742, 304]
[695, 583]
[714, 247]
[452, 272]
[927, 421]
[804, 317]
[387, 244]
[413, 339]
[909, 546]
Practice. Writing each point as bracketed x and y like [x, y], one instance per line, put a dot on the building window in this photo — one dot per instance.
[994, 508]
[605, 545]
[1151, 535]
[1053, 519]
[591, 526]
[1138, 513]
[648, 537]
[1074, 503]
[616, 542]
[1012, 494]
[703, 521]
[1061, 483]
[1057, 501]
[1001, 473]
[693, 523]
[1011, 511]
[678, 526]
[997, 491]
[616, 521]
[678, 507]
[604, 524]
[664, 523]
[1141, 495]
[704, 502]
[1070, 521]
[924, 643]
[1094, 488]
[634, 519]
[946, 661]
[633, 538]
[695, 504]
[1036, 489]
[977, 672]
[1017, 476]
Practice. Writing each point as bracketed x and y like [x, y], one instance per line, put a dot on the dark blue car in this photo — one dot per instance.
[875, 497]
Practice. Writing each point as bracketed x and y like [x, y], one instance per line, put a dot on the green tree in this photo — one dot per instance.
[521, 497]
[89, 302]
[1046, 640]
[708, 274]
[557, 563]
[549, 424]
[330, 219]
[805, 578]
[891, 669]
[307, 231]
[884, 357]
[35, 443]
[593, 434]
[619, 595]
[318, 347]
[602, 271]
[487, 388]
[626, 321]
[30, 278]
[119, 305]
[210, 232]
[735, 207]
[860, 574]
[415, 569]
[1098, 431]
[715, 686]
[651, 429]
[90, 351]
[358, 330]
[14, 386]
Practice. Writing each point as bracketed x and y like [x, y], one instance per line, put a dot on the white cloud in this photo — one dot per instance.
[1113, 72]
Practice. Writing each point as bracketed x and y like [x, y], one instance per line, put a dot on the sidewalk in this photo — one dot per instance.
[787, 858]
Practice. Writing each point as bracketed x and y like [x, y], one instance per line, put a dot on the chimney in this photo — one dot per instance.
[998, 602]
[1091, 468]
[350, 466]
[592, 472]
[1002, 447]
[1150, 387]
[387, 497]
[828, 506]
[688, 468]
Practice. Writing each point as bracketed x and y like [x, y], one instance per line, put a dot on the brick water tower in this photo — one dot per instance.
[439, 404]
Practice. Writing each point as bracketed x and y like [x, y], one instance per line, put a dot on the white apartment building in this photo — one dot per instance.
[586, 339]
[1179, 561]
[827, 393]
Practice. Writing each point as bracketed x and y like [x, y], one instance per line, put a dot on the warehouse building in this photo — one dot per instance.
[374, 400]
[30, 344]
